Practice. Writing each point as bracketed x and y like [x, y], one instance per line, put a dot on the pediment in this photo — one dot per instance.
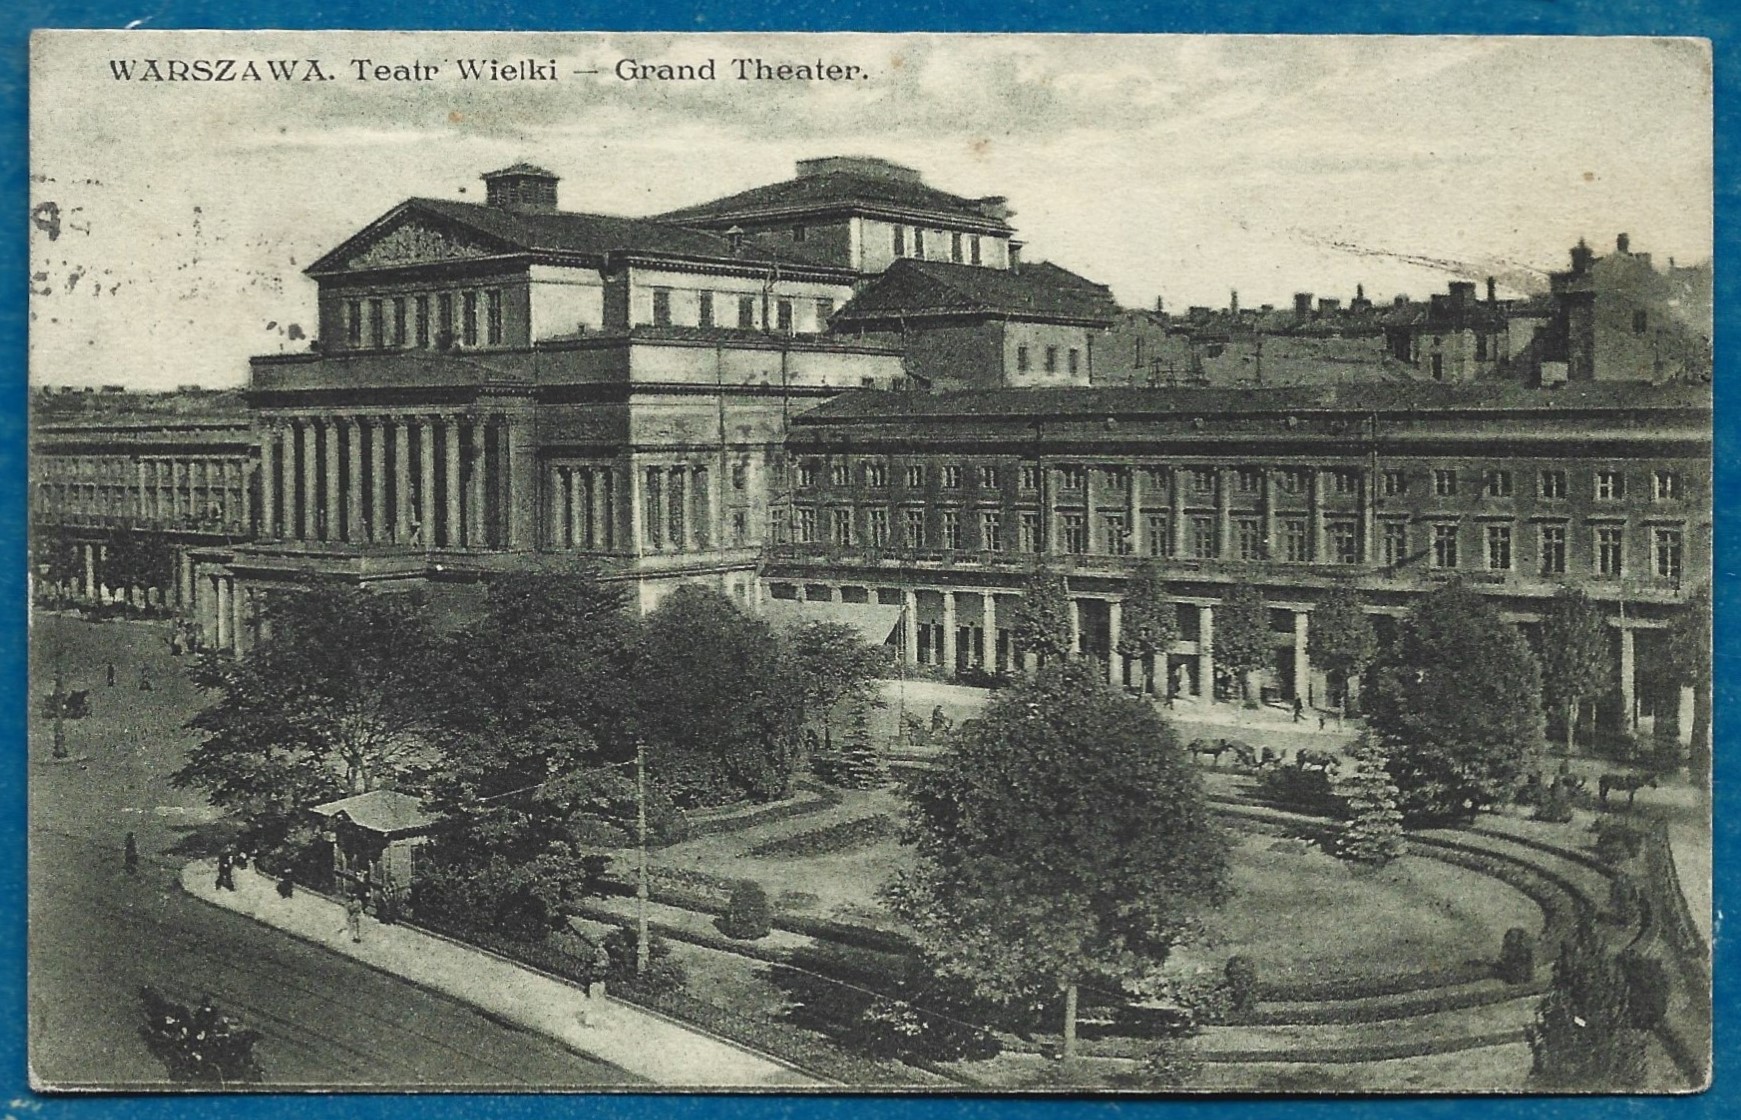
[414, 239]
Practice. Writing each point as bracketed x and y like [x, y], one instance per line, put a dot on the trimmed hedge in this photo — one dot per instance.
[1370, 1052]
[1330, 1013]
[840, 837]
[714, 826]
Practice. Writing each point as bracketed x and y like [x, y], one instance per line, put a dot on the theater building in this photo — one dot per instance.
[942, 504]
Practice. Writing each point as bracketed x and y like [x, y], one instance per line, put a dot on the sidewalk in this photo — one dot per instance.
[645, 1045]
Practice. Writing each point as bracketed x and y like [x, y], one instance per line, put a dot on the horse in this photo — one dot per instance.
[1244, 754]
[1214, 748]
[1271, 757]
[1309, 759]
[1629, 781]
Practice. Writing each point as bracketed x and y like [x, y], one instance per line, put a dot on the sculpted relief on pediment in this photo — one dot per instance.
[417, 243]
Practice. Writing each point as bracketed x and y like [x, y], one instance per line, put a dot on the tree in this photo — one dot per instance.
[1689, 661]
[1242, 641]
[1341, 638]
[1456, 704]
[140, 559]
[1150, 621]
[1041, 623]
[1372, 831]
[825, 663]
[1574, 654]
[859, 763]
[334, 702]
[1063, 837]
[714, 705]
[1583, 1038]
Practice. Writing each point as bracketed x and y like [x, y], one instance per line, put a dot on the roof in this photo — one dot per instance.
[873, 621]
[381, 810]
[837, 190]
[572, 233]
[1367, 397]
[915, 289]
[521, 168]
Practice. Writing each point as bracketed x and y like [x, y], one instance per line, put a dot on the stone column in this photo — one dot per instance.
[426, 499]
[637, 516]
[1206, 652]
[334, 493]
[1051, 478]
[268, 479]
[286, 520]
[379, 528]
[1302, 663]
[949, 650]
[451, 538]
[1139, 526]
[517, 455]
[1176, 487]
[1628, 683]
[239, 599]
[1317, 543]
[1091, 515]
[1269, 514]
[1685, 700]
[1223, 514]
[354, 485]
[221, 623]
[1114, 659]
[556, 509]
[401, 480]
[713, 482]
[245, 497]
[578, 508]
[310, 478]
[603, 496]
[1368, 514]
[910, 626]
[988, 651]
[90, 571]
[139, 501]
[474, 513]
[1075, 626]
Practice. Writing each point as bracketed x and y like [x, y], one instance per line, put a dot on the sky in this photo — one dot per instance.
[170, 221]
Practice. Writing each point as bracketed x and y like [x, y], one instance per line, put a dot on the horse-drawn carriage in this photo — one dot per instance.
[66, 705]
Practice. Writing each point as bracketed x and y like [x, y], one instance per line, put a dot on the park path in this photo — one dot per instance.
[650, 1046]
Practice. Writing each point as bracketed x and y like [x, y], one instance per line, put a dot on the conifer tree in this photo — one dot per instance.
[1372, 831]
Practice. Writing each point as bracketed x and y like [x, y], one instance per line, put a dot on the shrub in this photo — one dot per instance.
[665, 973]
[1205, 999]
[1299, 790]
[1241, 978]
[1372, 832]
[841, 837]
[748, 915]
[1583, 1038]
[1555, 807]
[1617, 841]
[1646, 989]
[1517, 956]
[1625, 900]
[1169, 1065]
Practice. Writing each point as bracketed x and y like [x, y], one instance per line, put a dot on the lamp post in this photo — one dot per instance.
[641, 842]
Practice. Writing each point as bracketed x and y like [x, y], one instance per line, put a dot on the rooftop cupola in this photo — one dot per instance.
[866, 167]
[522, 187]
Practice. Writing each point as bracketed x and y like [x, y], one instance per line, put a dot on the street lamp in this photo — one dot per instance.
[641, 948]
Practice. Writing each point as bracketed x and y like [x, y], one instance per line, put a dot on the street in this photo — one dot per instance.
[98, 934]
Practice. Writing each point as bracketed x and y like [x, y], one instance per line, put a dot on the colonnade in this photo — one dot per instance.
[210, 492]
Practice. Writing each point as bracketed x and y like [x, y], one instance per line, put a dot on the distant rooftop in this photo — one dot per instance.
[915, 289]
[847, 183]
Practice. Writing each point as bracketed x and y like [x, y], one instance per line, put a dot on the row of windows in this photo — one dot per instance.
[1551, 485]
[1073, 360]
[963, 248]
[1201, 540]
[744, 315]
[424, 321]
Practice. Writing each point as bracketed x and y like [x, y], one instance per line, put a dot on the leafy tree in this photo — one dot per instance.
[1242, 641]
[1372, 831]
[715, 706]
[1456, 704]
[1041, 622]
[334, 702]
[1341, 637]
[139, 559]
[1689, 661]
[1150, 621]
[1583, 1038]
[826, 663]
[1574, 654]
[1062, 838]
[58, 559]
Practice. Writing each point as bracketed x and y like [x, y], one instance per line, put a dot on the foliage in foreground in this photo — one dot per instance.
[1584, 1037]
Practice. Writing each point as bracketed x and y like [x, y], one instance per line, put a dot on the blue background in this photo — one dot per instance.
[1714, 19]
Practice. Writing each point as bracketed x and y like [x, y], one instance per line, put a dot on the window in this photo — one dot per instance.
[1075, 357]
[704, 309]
[1395, 483]
[913, 528]
[955, 247]
[824, 312]
[1553, 550]
[740, 526]
[973, 249]
[1640, 322]
[674, 511]
[876, 473]
[1499, 548]
[1247, 538]
[1553, 485]
[783, 316]
[1203, 537]
[423, 322]
[398, 320]
[991, 530]
[799, 233]
[1610, 551]
[915, 477]
[1668, 553]
[1345, 482]
[806, 526]
[919, 243]
[900, 241]
[1202, 480]
[1395, 547]
[987, 477]
[806, 475]
[840, 532]
[354, 322]
[1051, 359]
[444, 319]
[1075, 533]
[1296, 540]
[876, 523]
[1344, 542]
[1290, 481]
[1438, 366]
[1160, 537]
[468, 325]
[1072, 478]
[493, 316]
[740, 476]
[1498, 484]
[1444, 546]
[1445, 483]
[1021, 359]
[1030, 476]
[746, 313]
[952, 476]
[1028, 532]
[1248, 480]
[661, 307]
[1117, 534]
[840, 474]
[377, 328]
[1118, 479]
[1667, 486]
[1610, 486]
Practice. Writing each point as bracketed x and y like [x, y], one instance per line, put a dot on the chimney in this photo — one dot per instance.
[1233, 303]
[1328, 306]
[522, 188]
[1400, 300]
[1623, 244]
[1581, 257]
[1360, 292]
[1492, 291]
[1302, 305]
[1462, 293]
[1160, 305]
[1015, 255]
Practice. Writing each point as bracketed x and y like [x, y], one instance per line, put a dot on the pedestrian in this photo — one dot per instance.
[354, 918]
[144, 679]
[1320, 721]
[110, 674]
[286, 884]
[130, 854]
[601, 968]
[226, 880]
[175, 645]
[1299, 709]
